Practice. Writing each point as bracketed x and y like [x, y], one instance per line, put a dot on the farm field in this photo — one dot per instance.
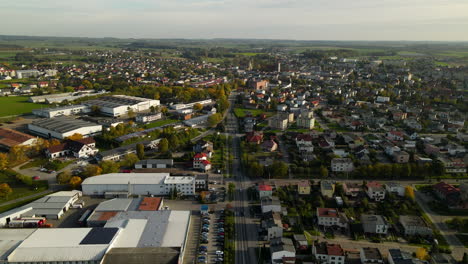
[16, 105]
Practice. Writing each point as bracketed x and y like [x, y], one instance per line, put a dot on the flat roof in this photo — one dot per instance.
[125, 178]
[114, 101]
[150, 204]
[117, 204]
[63, 124]
[11, 238]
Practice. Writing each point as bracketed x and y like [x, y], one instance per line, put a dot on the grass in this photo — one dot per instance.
[34, 163]
[20, 189]
[463, 239]
[242, 112]
[161, 123]
[21, 203]
[16, 105]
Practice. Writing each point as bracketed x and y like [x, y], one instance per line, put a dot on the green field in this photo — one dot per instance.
[16, 105]
[242, 112]
[20, 189]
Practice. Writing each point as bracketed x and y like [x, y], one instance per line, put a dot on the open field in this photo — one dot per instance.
[20, 189]
[16, 105]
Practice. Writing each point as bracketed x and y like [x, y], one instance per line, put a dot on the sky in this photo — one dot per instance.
[432, 20]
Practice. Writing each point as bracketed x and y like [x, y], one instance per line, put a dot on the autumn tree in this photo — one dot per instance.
[54, 142]
[108, 166]
[323, 172]
[421, 253]
[131, 113]
[75, 181]
[87, 84]
[76, 136]
[163, 145]
[409, 192]
[64, 177]
[5, 190]
[91, 170]
[3, 161]
[197, 107]
[140, 148]
[214, 119]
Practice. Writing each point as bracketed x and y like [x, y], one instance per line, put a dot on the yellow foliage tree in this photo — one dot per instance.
[75, 181]
[5, 190]
[54, 142]
[421, 253]
[3, 161]
[76, 136]
[409, 192]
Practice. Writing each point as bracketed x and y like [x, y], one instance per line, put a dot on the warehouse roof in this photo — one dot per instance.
[142, 256]
[125, 178]
[10, 137]
[10, 238]
[117, 101]
[179, 179]
[114, 205]
[63, 124]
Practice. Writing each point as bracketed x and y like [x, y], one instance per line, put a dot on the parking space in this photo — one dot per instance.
[211, 249]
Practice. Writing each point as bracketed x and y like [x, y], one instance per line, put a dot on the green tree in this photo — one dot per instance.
[140, 151]
[108, 166]
[163, 145]
[231, 190]
[129, 160]
[131, 113]
[214, 119]
[91, 170]
[64, 177]
[323, 172]
[5, 190]
[197, 107]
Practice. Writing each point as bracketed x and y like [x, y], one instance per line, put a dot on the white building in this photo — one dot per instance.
[138, 184]
[118, 105]
[281, 248]
[62, 111]
[396, 188]
[62, 127]
[370, 255]
[374, 224]
[20, 74]
[149, 117]
[270, 204]
[375, 191]
[342, 164]
[329, 217]
[190, 105]
[306, 120]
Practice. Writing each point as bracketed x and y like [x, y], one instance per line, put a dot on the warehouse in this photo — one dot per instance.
[190, 105]
[117, 105]
[10, 138]
[61, 111]
[138, 184]
[62, 127]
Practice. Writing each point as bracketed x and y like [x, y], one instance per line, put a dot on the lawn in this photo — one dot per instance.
[242, 112]
[16, 105]
[20, 189]
[161, 123]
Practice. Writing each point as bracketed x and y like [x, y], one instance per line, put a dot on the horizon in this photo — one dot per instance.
[334, 20]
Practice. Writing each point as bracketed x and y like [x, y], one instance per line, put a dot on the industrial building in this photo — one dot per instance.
[10, 138]
[62, 111]
[196, 121]
[62, 127]
[118, 105]
[190, 105]
[58, 98]
[154, 163]
[126, 184]
[52, 206]
[20, 74]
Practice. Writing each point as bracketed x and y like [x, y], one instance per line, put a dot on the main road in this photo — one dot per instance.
[246, 233]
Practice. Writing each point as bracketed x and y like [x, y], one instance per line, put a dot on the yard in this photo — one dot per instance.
[242, 112]
[16, 105]
[20, 188]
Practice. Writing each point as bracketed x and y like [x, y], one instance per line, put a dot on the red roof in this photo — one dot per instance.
[13, 137]
[397, 133]
[374, 184]
[304, 137]
[206, 162]
[327, 212]
[446, 188]
[264, 187]
[200, 155]
[150, 204]
[334, 250]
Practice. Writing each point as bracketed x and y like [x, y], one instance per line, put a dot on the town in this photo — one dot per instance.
[143, 154]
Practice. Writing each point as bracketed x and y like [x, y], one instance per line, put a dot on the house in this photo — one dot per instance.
[282, 248]
[306, 120]
[265, 190]
[331, 217]
[375, 191]
[154, 163]
[270, 204]
[303, 187]
[342, 165]
[448, 193]
[328, 253]
[201, 162]
[396, 256]
[352, 189]
[10, 138]
[301, 242]
[254, 137]
[430, 149]
[371, 256]
[203, 146]
[80, 148]
[278, 122]
[327, 188]
[395, 135]
[396, 188]
[374, 224]
[401, 156]
[414, 225]
[453, 165]
[269, 145]
[272, 225]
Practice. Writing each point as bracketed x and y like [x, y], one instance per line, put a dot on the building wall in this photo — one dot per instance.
[138, 189]
[85, 131]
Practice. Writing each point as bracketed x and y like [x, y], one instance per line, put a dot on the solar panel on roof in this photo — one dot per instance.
[99, 235]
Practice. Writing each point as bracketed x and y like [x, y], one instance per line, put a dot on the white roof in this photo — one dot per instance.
[10, 239]
[131, 234]
[177, 229]
[66, 193]
[125, 178]
[179, 180]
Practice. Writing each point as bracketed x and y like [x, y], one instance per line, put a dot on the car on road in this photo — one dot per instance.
[36, 178]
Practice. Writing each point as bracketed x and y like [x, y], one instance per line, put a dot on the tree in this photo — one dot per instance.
[108, 166]
[140, 151]
[76, 136]
[91, 170]
[5, 190]
[214, 119]
[465, 258]
[409, 192]
[323, 172]
[87, 84]
[129, 160]
[64, 177]
[197, 107]
[75, 182]
[421, 253]
[163, 145]
[3, 161]
[231, 190]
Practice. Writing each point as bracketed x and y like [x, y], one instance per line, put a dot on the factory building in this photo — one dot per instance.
[126, 184]
[62, 111]
[62, 127]
[118, 105]
[190, 105]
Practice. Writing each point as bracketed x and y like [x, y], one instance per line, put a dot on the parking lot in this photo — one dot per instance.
[211, 249]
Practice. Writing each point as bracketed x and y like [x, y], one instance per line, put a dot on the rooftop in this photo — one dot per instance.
[62, 124]
[126, 178]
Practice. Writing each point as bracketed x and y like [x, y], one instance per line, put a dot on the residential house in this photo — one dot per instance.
[401, 156]
[374, 224]
[328, 253]
[148, 117]
[254, 137]
[330, 217]
[395, 135]
[371, 256]
[272, 225]
[303, 187]
[453, 165]
[80, 148]
[203, 146]
[396, 188]
[270, 204]
[342, 165]
[269, 145]
[281, 249]
[396, 256]
[201, 162]
[375, 191]
[448, 193]
[327, 188]
[264, 190]
[414, 225]
[300, 241]
[430, 149]
[352, 189]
